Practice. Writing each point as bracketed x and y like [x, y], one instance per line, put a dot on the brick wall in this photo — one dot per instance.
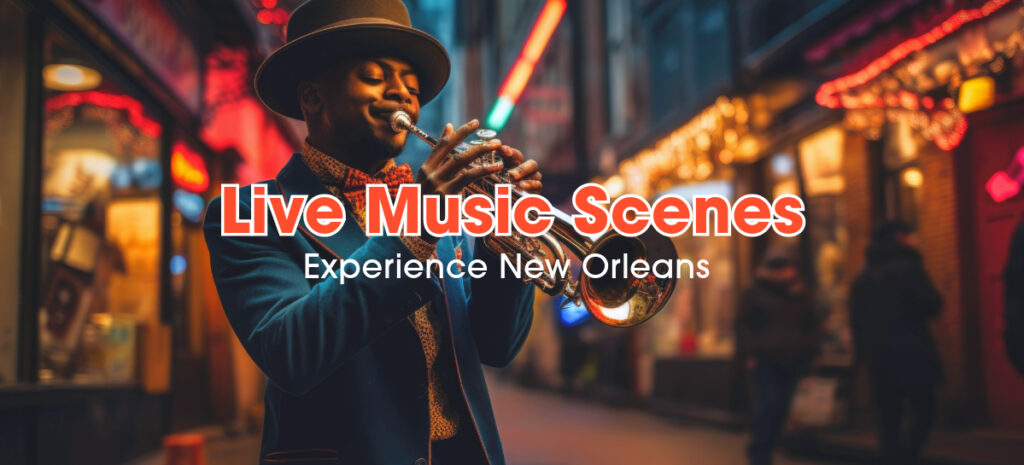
[857, 200]
[938, 236]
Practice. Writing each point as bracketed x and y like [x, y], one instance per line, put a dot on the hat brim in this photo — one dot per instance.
[278, 78]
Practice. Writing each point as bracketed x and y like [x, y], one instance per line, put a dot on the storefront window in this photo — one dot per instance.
[781, 179]
[12, 127]
[902, 178]
[191, 180]
[821, 160]
[100, 220]
[697, 320]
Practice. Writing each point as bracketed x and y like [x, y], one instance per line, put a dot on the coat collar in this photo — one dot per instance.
[297, 179]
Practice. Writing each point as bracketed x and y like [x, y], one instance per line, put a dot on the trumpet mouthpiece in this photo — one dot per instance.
[400, 121]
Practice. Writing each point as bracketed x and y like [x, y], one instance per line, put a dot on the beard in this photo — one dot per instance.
[368, 145]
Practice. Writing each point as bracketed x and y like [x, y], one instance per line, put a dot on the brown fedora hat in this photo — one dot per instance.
[320, 32]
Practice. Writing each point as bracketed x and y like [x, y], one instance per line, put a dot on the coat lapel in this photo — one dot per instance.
[451, 286]
[297, 179]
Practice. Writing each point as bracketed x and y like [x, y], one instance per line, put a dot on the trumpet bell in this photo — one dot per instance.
[628, 301]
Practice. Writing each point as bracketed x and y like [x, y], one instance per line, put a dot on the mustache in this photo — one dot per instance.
[387, 110]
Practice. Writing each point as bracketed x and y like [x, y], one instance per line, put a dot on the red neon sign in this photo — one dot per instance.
[1006, 183]
[828, 93]
[136, 112]
[188, 169]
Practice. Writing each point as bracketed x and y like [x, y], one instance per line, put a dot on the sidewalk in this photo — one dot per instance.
[541, 428]
[221, 449]
[980, 447]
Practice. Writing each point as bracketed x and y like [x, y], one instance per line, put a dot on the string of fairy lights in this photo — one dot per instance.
[928, 90]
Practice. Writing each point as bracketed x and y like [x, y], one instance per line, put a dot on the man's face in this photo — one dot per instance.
[359, 95]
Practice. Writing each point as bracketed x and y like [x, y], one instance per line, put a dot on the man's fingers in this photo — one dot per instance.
[468, 175]
[524, 170]
[512, 156]
[464, 158]
[435, 159]
[531, 186]
[448, 142]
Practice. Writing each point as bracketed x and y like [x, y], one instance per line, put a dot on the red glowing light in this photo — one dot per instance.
[242, 125]
[268, 4]
[545, 26]
[188, 169]
[828, 93]
[928, 102]
[136, 113]
[264, 17]
[949, 141]
[1001, 186]
[280, 16]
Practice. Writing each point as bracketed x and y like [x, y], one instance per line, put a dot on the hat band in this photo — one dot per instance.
[353, 22]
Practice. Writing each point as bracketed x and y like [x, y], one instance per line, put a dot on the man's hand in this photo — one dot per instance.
[525, 173]
[445, 173]
[448, 175]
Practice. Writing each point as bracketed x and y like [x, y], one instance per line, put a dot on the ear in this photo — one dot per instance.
[310, 97]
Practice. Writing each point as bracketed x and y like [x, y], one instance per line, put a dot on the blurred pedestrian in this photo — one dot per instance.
[777, 334]
[891, 302]
[1013, 286]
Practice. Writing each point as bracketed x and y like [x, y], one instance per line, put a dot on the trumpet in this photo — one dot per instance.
[613, 300]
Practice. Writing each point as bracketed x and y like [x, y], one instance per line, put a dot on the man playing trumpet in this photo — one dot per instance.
[376, 371]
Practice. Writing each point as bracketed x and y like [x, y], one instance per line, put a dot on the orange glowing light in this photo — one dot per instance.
[70, 77]
[913, 177]
[545, 26]
[188, 169]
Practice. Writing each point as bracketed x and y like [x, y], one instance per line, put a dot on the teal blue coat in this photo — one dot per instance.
[347, 377]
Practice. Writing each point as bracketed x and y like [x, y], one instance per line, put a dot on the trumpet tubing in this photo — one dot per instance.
[615, 301]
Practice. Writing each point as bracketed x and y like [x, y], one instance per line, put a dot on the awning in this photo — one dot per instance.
[930, 81]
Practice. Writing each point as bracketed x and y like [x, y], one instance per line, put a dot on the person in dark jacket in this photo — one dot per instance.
[891, 302]
[777, 334]
[378, 370]
[1013, 288]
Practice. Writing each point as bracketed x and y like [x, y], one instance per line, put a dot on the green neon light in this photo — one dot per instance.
[500, 113]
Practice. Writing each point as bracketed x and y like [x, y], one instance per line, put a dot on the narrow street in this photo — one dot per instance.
[542, 428]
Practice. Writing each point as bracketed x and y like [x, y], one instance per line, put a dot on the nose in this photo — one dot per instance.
[397, 91]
